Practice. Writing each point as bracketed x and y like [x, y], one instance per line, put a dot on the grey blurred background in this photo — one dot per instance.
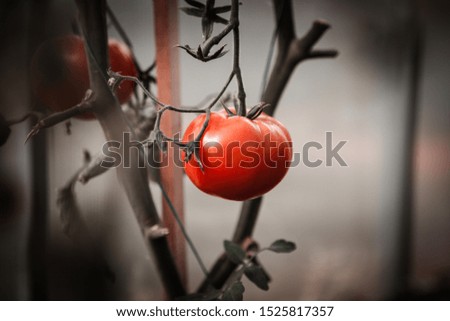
[343, 219]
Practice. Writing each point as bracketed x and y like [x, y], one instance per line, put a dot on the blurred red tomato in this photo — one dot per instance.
[60, 76]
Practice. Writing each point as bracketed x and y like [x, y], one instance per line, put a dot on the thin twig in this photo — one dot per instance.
[291, 52]
[222, 91]
[118, 78]
[322, 54]
[241, 109]
[31, 114]
[183, 230]
[202, 103]
[271, 50]
[86, 105]
[207, 46]
[118, 26]
[123, 35]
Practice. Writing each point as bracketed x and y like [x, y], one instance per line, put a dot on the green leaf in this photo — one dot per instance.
[192, 11]
[195, 3]
[189, 50]
[207, 28]
[222, 9]
[282, 246]
[234, 252]
[256, 274]
[219, 53]
[234, 292]
[219, 19]
[200, 53]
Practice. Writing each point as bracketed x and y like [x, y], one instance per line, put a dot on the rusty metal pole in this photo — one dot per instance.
[167, 71]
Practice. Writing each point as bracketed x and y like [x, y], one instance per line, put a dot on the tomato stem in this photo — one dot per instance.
[158, 136]
[234, 20]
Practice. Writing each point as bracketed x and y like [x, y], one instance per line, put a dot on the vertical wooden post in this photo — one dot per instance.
[166, 29]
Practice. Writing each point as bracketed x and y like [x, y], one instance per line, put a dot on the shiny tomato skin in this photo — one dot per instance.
[246, 168]
[60, 76]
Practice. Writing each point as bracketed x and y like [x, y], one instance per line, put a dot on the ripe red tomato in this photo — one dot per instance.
[60, 76]
[242, 158]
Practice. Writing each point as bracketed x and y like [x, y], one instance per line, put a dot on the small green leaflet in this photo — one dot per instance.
[234, 292]
[234, 252]
[256, 274]
[282, 246]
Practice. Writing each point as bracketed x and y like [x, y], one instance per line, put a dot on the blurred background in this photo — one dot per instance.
[344, 220]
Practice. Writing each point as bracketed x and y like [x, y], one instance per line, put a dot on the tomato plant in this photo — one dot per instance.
[237, 154]
[60, 74]
[241, 158]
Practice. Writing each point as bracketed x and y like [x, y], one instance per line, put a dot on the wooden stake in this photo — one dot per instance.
[167, 71]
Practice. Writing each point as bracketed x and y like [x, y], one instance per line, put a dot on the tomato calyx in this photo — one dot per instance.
[159, 139]
[200, 55]
[192, 148]
[255, 111]
[228, 111]
[252, 114]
